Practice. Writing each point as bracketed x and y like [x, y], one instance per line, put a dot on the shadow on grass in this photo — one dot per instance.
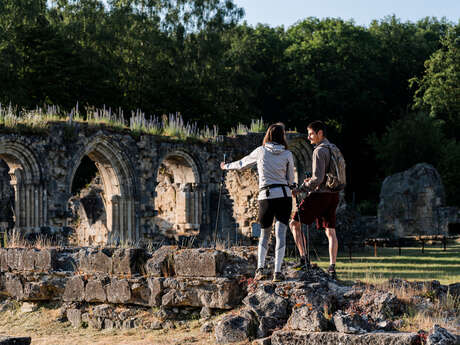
[433, 264]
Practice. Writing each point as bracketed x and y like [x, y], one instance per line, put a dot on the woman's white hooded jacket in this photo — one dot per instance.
[275, 165]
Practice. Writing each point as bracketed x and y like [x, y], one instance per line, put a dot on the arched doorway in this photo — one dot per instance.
[26, 179]
[6, 198]
[178, 196]
[118, 190]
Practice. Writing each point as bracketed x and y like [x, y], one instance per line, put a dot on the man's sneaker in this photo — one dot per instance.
[278, 277]
[260, 275]
[331, 271]
[302, 264]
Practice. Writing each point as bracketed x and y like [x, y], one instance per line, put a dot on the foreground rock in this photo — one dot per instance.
[440, 336]
[15, 340]
[321, 338]
[235, 328]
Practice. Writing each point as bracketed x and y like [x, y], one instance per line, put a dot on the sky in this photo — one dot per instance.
[287, 12]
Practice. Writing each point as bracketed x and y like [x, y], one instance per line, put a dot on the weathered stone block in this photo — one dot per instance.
[241, 260]
[29, 259]
[199, 262]
[4, 260]
[14, 286]
[221, 293]
[36, 291]
[156, 291]
[118, 291]
[74, 316]
[95, 291]
[74, 290]
[307, 318]
[94, 260]
[267, 325]
[441, 336]
[103, 310]
[46, 259]
[140, 291]
[320, 338]
[15, 258]
[128, 261]
[379, 305]
[161, 264]
[234, 328]
[96, 322]
[410, 201]
[353, 324]
[28, 307]
[265, 302]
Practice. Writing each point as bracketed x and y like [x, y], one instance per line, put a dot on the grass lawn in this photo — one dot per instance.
[433, 264]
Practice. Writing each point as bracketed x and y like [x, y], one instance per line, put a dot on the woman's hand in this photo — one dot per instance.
[222, 165]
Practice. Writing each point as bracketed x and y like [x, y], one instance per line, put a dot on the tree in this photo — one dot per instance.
[413, 139]
[439, 88]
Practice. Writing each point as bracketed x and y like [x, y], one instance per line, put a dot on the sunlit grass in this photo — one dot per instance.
[433, 264]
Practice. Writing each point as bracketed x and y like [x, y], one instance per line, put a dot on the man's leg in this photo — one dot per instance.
[299, 237]
[333, 245]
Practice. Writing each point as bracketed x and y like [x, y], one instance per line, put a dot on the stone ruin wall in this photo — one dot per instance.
[413, 203]
[243, 190]
[152, 187]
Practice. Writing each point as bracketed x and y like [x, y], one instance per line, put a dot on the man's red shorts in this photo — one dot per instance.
[319, 207]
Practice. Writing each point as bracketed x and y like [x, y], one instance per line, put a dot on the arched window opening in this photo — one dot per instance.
[87, 204]
[7, 199]
[178, 197]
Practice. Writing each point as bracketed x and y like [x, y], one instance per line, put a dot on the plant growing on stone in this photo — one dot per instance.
[106, 116]
[258, 126]
[138, 124]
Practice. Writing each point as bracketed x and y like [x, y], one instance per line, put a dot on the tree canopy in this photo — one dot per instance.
[197, 58]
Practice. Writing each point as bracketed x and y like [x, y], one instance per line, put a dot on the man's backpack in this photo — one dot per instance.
[335, 174]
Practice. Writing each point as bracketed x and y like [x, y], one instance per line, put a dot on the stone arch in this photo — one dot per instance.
[178, 194]
[26, 179]
[120, 187]
[302, 152]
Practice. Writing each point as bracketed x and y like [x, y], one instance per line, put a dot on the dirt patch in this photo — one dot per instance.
[43, 327]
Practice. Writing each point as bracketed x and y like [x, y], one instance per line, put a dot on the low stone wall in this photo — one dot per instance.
[169, 277]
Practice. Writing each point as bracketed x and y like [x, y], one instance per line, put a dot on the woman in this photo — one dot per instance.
[275, 166]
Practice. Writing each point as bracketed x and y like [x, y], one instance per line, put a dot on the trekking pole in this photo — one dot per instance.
[222, 180]
[302, 242]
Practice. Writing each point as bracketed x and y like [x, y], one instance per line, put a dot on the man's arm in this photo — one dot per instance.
[318, 171]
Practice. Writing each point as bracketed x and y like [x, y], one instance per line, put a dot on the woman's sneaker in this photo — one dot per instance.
[260, 274]
[278, 277]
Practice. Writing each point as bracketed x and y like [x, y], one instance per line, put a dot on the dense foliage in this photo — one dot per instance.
[197, 58]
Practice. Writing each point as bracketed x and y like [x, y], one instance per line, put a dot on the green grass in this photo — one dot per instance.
[434, 264]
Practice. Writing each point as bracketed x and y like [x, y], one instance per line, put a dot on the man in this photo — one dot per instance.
[321, 203]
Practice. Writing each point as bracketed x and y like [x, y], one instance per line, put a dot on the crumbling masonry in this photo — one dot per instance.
[152, 185]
